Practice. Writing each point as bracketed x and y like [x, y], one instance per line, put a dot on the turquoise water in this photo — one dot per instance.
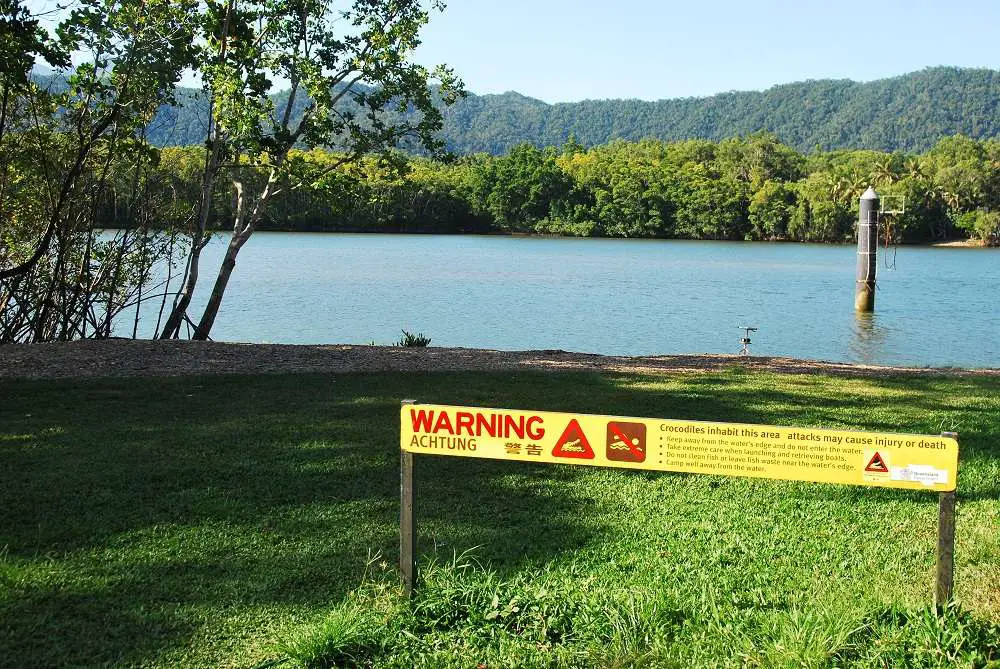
[934, 306]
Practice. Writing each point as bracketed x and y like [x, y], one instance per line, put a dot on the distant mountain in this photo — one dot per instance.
[907, 113]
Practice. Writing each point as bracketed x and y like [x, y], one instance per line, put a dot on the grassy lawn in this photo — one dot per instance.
[231, 521]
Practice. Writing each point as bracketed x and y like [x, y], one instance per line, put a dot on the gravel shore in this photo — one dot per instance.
[126, 358]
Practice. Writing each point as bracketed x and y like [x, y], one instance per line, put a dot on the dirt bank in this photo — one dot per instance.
[89, 359]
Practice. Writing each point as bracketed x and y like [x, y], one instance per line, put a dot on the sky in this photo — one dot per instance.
[571, 50]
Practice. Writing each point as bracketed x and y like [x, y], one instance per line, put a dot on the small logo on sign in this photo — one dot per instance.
[626, 442]
[573, 443]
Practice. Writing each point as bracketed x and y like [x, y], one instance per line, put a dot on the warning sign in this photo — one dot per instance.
[573, 443]
[919, 462]
[626, 441]
[877, 465]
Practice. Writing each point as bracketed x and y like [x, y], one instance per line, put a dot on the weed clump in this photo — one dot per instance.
[949, 637]
[466, 615]
[411, 340]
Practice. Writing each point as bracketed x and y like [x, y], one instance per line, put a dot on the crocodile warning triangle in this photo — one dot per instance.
[573, 443]
[877, 464]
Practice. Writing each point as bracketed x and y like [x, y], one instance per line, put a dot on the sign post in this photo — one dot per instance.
[886, 460]
[946, 543]
[407, 518]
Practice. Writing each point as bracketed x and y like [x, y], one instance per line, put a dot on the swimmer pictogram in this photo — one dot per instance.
[626, 442]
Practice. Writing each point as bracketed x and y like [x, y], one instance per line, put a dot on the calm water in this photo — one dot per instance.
[934, 306]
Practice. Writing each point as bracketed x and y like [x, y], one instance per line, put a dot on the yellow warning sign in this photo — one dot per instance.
[914, 461]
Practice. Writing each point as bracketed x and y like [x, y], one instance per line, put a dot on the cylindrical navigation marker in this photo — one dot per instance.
[864, 285]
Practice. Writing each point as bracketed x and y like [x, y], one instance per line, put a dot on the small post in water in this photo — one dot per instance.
[946, 544]
[864, 288]
[407, 520]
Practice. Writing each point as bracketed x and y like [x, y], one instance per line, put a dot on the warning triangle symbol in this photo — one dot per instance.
[877, 464]
[573, 443]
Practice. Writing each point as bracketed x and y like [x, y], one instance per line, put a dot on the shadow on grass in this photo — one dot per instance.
[157, 501]
[137, 511]
[49, 627]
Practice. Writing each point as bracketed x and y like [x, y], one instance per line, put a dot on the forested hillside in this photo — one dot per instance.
[907, 113]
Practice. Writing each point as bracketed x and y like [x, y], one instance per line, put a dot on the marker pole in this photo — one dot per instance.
[407, 520]
[864, 284]
[946, 544]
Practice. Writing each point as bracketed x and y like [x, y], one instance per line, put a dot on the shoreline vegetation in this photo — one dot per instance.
[751, 188]
[951, 243]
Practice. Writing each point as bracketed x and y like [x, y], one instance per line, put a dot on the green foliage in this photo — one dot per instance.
[751, 188]
[983, 225]
[347, 637]
[22, 40]
[519, 190]
[770, 211]
[73, 160]
[411, 340]
[619, 190]
[352, 85]
[464, 612]
[923, 638]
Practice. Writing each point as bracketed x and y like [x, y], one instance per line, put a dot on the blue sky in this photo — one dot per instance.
[565, 50]
[570, 50]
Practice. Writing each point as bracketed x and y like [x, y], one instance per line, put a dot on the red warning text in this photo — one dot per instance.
[477, 424]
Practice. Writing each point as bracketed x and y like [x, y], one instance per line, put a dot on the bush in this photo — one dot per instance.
[413, 340]
[983, 225]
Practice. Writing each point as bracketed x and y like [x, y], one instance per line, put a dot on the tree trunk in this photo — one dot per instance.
[242, 229]
[218, 291]
[199, 239]
[171, 329]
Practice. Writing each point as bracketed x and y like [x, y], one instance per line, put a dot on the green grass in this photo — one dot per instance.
[233, 521]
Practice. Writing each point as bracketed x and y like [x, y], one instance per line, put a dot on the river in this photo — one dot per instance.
[934, 306]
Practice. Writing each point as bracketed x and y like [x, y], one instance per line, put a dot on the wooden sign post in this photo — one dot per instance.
[946, 543]
[407, 519]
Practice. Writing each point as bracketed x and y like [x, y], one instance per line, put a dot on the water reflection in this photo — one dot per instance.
[869, 343]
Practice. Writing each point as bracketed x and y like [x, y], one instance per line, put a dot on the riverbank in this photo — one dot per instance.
[131, 358]
[961, 244]
[531, 234]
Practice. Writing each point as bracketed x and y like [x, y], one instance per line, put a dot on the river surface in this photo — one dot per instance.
[934, 306]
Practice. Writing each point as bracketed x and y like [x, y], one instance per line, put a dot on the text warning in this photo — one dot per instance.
[919, 462]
